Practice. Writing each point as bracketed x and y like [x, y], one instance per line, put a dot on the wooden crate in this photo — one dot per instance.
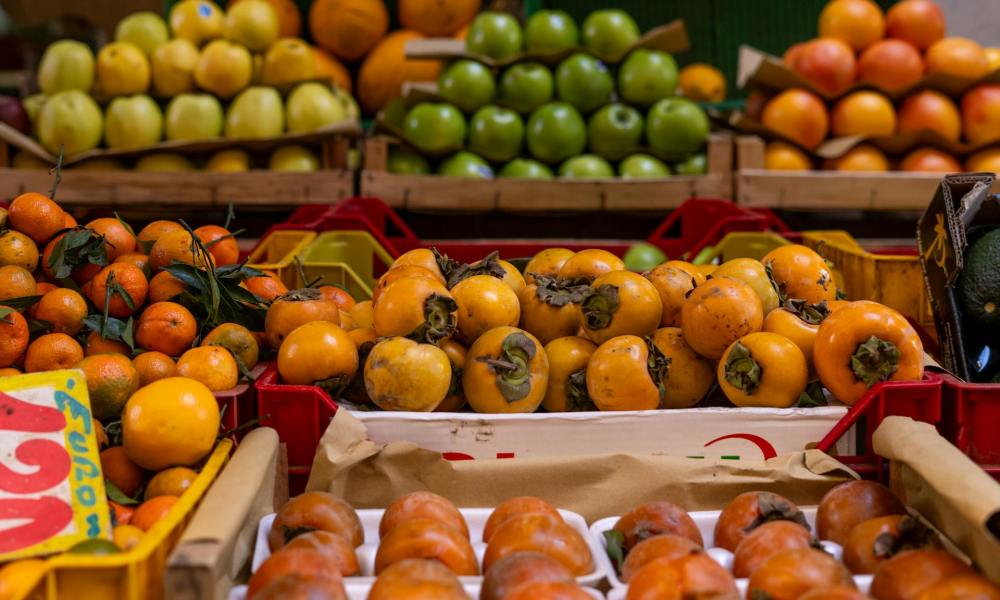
[826, 190]
[434, 192]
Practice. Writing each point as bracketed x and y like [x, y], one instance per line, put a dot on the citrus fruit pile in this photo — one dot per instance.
[577, 331]
[423, 542]
[887, 54]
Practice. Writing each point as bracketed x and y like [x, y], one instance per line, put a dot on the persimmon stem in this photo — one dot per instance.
[875, 360]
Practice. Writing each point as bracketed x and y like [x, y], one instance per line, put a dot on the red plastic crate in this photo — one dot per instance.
[238, 405]
[301, 413]
[971, 415]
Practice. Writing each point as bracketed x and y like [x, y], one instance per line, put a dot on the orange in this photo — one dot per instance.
[981, 113]
[64, 309]
[212, 365]
[992, 57]
[862, 158]
[51, 352]
[152, 511]
[866, 114]
[220, 244]
[164, 286]
[985, 160]
[268, 287]
[100, 434]
[166, 327]
[328, 66]
[957, 56]
[781, 156]
[68, 221]
[919, 22]
[80, 274]
[120, 514]
[134, 258]
[42, 288]
[127, 277]
[930, 160]
[857, 22]
[170, 482]
[171, 422]
[171, 246]
[16, 282]
[18, 249]
[19, 577]
[153, 366]
[702, 83]
[119, 470]
[152, 232]
[9, 372]
[98, 345]
[118, 236]
[237, 339]
[891, 65]
[126, 537]
[932, 110]
[13, 336]
[798, 115]
[36, 216]
[111, 379]
[827, 63]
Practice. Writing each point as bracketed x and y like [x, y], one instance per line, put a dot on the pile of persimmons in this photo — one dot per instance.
[577, 331]
[863, 57]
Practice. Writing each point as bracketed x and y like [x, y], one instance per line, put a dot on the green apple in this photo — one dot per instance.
[350, 105]
[465, 164]
[525, 168]
[393, 114]
[676, 127]
[642, 165]
[468, 84]
[584, 82]
[495, 34]
[555, 132]
[643, 257]
[312, 106]
[526, 86]
[66, 65]
[33, 107]
[434, 127]
[145, 29]
[696, 164]
[294, 158]
[550, 31]
[586, 166]
[132, 121]
[608, 34]
[614, 131]
[647, 76]
[496, 133]
[256, 112]
[404, 161]
[72, 120]
[193, 117]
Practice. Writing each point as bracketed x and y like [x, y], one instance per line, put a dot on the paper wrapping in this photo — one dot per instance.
[215, 550]
[933, 477]
[370, 475]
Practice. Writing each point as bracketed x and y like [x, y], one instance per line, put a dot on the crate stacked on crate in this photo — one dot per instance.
[869, 115]
[538, 124]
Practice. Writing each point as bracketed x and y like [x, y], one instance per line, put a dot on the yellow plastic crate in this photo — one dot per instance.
[740, 244]
[277, 252]
[894, 280]
[138, 573]
[345, 258]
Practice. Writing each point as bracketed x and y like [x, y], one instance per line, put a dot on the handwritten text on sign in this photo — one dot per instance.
[51, 488]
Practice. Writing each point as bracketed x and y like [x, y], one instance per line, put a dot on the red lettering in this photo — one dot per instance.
[53, 465]
[47, 516]
[763, 445]
[505, 455]
[456, 456]
[18, 415]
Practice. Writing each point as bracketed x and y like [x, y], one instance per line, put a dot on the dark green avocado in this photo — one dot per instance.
[979, 283]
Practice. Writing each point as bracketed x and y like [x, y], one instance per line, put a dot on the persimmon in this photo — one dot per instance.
[851, 503]
[799, 323]
[318, 353]
[620, 303]
[417, 308]
[962, 586]
[664, 545]
[800, 273]
[456, 354]
[548, 309]
[873, 541]
[506, 371]
[765, 541]
[540, 533]
[518, 505]
[748, 511]
[422, 505]
[688, 376]
[567, 388]
[338, 296]
[549, 590]
[673, 285]
[719, 312]
[298, 307]
[304, 562]
[546, 263]
[519, 569]
[656, 518]
[296, 586]
[484, 302]
[512, 277]
[909, 574]
[835, 592]
[421, 257]
[763, 369]
[403, 272]
[315, 511]
[625, 373]
[752, 273]
[401, 374]
[590, 264]
[333, 545]
[694, 575]
[427, 538]
[417, 578]
[791, 573]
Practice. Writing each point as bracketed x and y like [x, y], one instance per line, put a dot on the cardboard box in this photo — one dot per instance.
[960, 211]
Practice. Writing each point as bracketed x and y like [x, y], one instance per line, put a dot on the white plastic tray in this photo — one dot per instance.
[705, 520]
[357, 590]
[476, 520]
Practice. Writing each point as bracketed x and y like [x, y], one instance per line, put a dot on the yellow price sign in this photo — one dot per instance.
[51, 487]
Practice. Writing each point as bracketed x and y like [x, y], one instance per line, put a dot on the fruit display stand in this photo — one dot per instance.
[442, 193]
[137, 573]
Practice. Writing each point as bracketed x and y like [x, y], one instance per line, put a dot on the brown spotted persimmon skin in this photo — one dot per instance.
[719, 312]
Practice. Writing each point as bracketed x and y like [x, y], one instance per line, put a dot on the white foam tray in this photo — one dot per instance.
[705, 520]
[359, 591]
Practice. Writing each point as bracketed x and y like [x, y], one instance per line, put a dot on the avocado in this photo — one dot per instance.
[979, 283]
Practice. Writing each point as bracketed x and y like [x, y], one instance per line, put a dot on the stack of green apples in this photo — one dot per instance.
[606, 109]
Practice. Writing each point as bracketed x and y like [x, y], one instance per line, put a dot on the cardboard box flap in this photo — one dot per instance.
[671, 38]
[933, 477]
[370, 475]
